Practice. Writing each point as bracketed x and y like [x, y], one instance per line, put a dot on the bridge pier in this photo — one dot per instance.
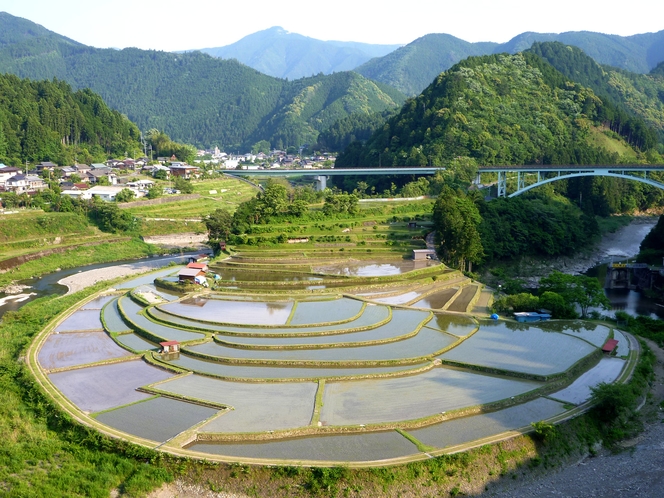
[321, 183]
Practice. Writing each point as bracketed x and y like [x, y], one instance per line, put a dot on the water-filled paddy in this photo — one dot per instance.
[436, 300]
[112, 318]
[464, 430]
[623, 343]
[338, 310]
[457, 325]
[351, 448]
[593, 333]
[241, 275]
[257, 407]
[78, 348]
[238, 312]
[364, 269]
[607, 370]
[148, 279]
[151, 289]
[425, 343]
[147, 419]
[272, 372]
[520, 348]
[371, 316]
[102, 387]
[132, 311]
[406, 398]
[136, 342]
[97, 303]
[399, 326]
[81, 320]
[398, 299]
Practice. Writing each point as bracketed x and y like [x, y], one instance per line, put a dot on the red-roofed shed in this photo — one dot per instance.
[170, 347]
[610, 346]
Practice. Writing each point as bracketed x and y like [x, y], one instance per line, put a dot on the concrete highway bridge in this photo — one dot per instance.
[527, 177]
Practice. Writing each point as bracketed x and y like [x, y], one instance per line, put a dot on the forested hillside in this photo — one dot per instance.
[500, 109]
[639, 95]
[46, 120]
[193, 97]
[413, 67]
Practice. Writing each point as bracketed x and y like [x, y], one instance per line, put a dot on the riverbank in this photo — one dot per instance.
[622, 244]
[85, 279]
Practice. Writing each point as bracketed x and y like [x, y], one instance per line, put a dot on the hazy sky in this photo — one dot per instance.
[188, 24]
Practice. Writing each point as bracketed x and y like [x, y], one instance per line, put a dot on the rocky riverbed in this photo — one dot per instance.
[622, 244]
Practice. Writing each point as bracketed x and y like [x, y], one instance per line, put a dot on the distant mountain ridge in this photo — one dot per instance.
[283, 54]
[193, 97]
[413, 67]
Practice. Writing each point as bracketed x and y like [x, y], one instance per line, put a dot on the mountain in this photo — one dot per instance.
[503, 109]
[414, 66]
[282, 54]
[640, 95]
[47, 121]
[193, 97]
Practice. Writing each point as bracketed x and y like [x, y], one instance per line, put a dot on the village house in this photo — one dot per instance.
[7, 172]
[184, 171]
[94, 175]
[25, 183]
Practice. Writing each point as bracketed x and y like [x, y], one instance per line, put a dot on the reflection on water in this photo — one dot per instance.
[365, 269]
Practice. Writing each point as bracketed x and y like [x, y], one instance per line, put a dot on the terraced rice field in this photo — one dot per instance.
[255, 407]
[284, 373]
[466, 429]
[437, 300]
[525, 348]
[81, 320]
[284, 362]
[623, 344]
[607, 370]
[78, 348]
[352, 448]
[146, 419]
[98, 388]
[390, 400]
[238, 312]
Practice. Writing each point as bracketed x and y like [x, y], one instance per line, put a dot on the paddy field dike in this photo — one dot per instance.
[313, 360]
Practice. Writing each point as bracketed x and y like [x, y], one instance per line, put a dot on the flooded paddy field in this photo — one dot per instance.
[457, 325]
[98, 388]
[280, 352]
[81, 320]
[158, 419]
[148, 279]
[406, 398]
[425, 343]
[112, 317]
[352, 448]
[607, 370]
[97, 303]
[283, 373]
[256, 407]
[338, 310]
[371, 316]
[466, 429]
[623, 344]
[238, 312]
[167, 333]
[136, 342]
[593, 333]
[437, 300]
[78, 348]
[519, 347]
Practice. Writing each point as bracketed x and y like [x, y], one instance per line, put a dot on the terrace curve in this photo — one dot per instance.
[341, 381]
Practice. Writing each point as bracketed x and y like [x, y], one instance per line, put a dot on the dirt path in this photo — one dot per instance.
[636, 472]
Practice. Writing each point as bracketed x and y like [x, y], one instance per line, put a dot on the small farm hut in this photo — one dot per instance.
[190, 274]
[422, 254]
[610, 346]
[170, 347]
